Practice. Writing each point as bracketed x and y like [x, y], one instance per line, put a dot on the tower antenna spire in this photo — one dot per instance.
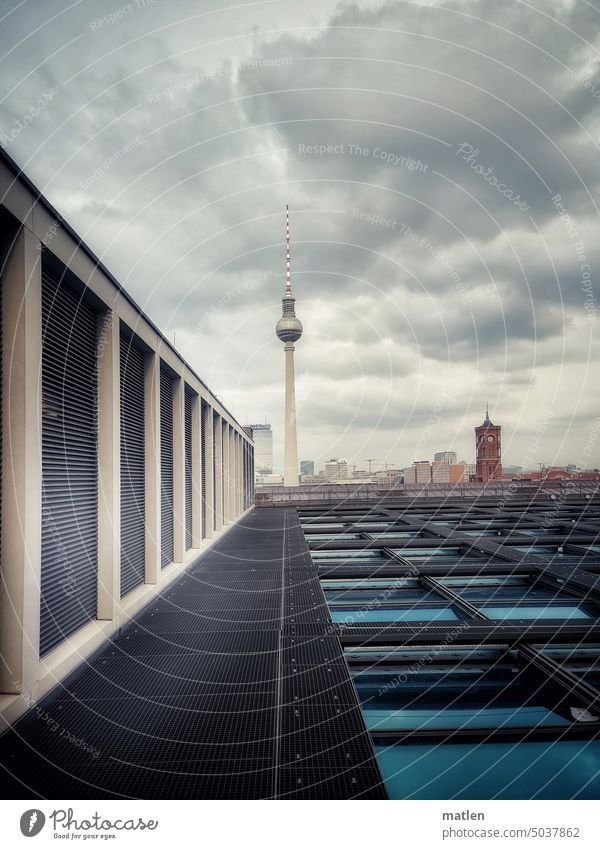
[288, 261]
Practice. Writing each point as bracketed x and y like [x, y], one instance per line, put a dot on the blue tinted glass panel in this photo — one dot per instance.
[394, 534]
[525, 770]
[383, 596]
[489, 581]
[481, 533]
[331, 537]
[536, 549]
[368, 583]
[551, 611]
[536, 532]
[415, 614]
[499, 594]
[450, 550]
[446, 698]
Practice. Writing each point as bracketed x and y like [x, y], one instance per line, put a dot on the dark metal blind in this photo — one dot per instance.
[245, 445]
[166, 469]
[214, 465]
[189, 490]
[69, 569]
[203, 466]
[133, 478]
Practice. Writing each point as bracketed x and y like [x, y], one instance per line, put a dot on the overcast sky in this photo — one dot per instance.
[421, 148]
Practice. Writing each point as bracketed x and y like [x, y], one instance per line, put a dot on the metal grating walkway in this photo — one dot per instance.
[231, 684]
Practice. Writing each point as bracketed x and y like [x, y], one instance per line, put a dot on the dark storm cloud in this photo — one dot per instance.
[420, 149]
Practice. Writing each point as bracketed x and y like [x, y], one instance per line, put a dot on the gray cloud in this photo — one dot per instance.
[414, 264]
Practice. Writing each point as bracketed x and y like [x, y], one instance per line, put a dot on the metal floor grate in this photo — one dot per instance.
[229, 685]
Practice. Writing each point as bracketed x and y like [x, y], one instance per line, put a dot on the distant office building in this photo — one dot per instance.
[445, 457]
[336, 470]
[422, 471]
[437, 472]
[440, 471]
[269, 480]
[469, 469]
[388, 477]
[263, 449]
[489, 451]
[307, 467]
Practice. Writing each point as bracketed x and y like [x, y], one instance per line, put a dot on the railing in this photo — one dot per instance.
[267, 496]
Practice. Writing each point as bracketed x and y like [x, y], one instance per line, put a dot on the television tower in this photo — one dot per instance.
[289, 330]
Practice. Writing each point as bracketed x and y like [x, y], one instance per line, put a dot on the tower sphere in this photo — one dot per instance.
[289, 328]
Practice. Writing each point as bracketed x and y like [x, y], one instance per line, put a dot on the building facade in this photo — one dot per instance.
[119, 465]
[488, 464]
[445, 457]
[263, 448]
[307, 467]
[336, 470]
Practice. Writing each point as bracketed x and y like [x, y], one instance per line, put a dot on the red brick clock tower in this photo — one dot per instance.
[489, 450]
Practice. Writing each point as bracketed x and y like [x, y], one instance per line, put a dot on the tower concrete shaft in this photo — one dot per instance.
[289, 330]
[290, 471]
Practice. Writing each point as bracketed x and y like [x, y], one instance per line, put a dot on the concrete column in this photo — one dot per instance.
[152, 434]
[290, 472]
[197, 463]
[109, 465]
[209, 505]
[179, 470]
[21, 466]
[218, 432]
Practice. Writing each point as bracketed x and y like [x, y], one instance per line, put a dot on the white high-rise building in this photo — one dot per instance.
[336, 470]
[289, 330]
[263, 449]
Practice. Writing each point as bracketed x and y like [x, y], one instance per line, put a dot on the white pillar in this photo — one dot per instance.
[21, 465]
[109, 465]
[209, 505]
[197, 463]
[153, 480]
[290, 472]
[179, 470]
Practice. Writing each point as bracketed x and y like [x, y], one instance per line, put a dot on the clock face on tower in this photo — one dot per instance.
[490, 438]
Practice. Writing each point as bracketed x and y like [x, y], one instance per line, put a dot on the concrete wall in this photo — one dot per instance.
[24, 676]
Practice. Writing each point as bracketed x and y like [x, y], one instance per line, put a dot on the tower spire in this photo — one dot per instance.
[288, 261]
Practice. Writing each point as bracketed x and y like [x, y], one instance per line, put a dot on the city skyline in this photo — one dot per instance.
[443, 263]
